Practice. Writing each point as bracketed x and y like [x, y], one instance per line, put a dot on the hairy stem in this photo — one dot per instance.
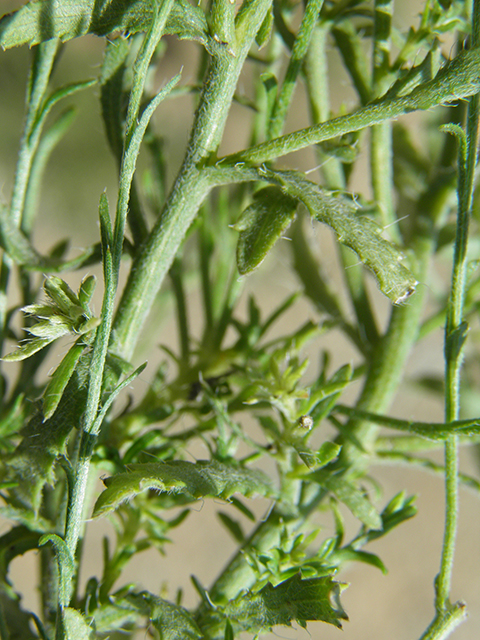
[459, 78]
[190, 188]
[455, 331]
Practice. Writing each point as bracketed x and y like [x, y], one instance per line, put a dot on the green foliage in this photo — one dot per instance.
[38, 21]
[294, 599]
[235, 367]
[357, 232]
[260, 225]
[202, 479]
[64, 314]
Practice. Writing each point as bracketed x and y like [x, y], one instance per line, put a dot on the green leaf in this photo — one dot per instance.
[13, 619]
[329, 389]
[27, 349]
[41, 20]
[66, 314]
[431, 430]
[229, 631]
[458, 79]
[359, 233]
[233, 526]
[222, 23]
[292, 600]
[86, 290]
[75, 626]
[60, 93]
[261, 225]
[242, 508]
[14, 241]
[51, 329]
[172, 621]
[266, 29]
[17, 541]
[117, 615]
[32, 464]
[20, 249]
[66, 567]
[62, 296]
[327, 452]
[112, 96]
[195, 480]
[348, 554]
[60, 377]
[352, 496]
[114, 393]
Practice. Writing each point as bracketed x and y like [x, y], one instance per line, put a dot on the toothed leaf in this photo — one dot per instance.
[41, 20]
[195, 480]
[292, 600]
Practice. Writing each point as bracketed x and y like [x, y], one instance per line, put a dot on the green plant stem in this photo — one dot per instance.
[455, 333]
[459, 78]
[40, 72]
[433, 431]
[75, 524]
[316, 73]
[442, 627]
[200, 139]
[381, 163]
[381, 155]
[112, 247]
[385, 371]
[42, 65]
[299, 51]
[190, 188]
[205, 250]
[176, 276]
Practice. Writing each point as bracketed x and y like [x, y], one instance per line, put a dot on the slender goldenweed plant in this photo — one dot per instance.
[58, 435]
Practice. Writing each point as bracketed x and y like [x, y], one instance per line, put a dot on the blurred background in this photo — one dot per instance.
[398, 605]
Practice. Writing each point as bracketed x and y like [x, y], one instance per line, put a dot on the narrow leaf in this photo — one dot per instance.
[458, 79]
[117, 615]
[32, 464]
[60, 377]
[85, 291]
[53, 328]
[109, 401]
[56, 96]
[62, 296]
[233, 526]
[430, 430]
[22, 252]
[112, 92]
[14, 241]
[351, 555]
[327, 452]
